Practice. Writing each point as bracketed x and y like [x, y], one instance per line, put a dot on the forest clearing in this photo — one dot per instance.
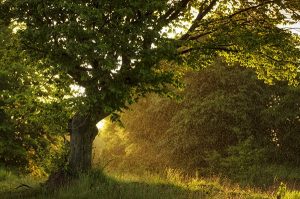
[172, 185]
[150, 99]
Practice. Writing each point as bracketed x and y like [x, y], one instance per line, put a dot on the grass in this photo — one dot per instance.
[292, 195]
[9, 181]
[127, 186]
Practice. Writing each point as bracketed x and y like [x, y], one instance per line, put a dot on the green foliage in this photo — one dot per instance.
[282, 119]
[244, 164]
[125, 148]
[89, 41]
[114, 49]
[33, 111]
[221, 108]
[224, 124]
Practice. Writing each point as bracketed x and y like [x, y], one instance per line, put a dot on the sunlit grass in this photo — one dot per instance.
[168, 184]
[292, 195]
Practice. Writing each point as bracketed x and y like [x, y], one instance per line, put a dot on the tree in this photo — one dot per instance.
[282, 123]
[32, 111]
[138, 145]
[113, 49]
[220, 107]
[228, 122]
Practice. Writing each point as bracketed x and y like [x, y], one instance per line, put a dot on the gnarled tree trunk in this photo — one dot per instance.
[83, 133]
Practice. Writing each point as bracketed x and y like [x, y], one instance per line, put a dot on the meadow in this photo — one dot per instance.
[169, 184]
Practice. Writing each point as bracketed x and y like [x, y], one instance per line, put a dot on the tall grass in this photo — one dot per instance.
[11, 182]
[292, 195]
[172, 184]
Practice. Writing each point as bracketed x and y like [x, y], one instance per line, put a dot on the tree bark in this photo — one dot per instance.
[83, 132]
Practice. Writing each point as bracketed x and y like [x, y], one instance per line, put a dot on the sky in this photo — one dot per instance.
[295, 28]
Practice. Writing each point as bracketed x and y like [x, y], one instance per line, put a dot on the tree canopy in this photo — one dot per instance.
[117, 51]
[114, 48]
[33, 108]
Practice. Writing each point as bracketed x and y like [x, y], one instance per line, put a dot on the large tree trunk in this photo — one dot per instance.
[83, 133]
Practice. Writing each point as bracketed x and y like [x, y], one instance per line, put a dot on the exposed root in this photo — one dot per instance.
[23, 185]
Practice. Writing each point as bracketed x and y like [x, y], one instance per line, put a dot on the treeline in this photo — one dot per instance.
[227, 123]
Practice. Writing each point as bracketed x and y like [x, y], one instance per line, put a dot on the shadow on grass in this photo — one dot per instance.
[103, 187]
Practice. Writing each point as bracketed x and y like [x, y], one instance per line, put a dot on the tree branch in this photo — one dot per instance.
[217, 48]
[201, 15]
[213, 30]
[174, 11]
[203, 11]
[23, 185]
[277, 60]
[249, 8]
[195, 37]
